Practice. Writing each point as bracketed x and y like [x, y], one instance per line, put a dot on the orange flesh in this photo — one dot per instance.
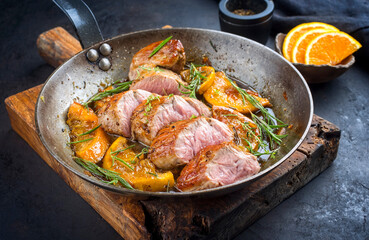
[144, 175]
[81, 120]
[222, 93]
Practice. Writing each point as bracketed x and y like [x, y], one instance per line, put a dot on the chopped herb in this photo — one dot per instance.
[160, 46]
[193, 116]
[196, 79]
[84, 140]
[154, 174]
[90, 131]
[230, 115]
[111, 176]
[170, 95]
[151, 98]
[120, 87]
[42, 99]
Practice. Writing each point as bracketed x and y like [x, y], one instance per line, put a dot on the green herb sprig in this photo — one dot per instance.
[119, 87]
[160, 46]
[154, 174]
[114, 154]
[196, 79]
[90, 131]
[251, 99]
[114, 157]
[111, 176]
[143, 151]
[80, 141]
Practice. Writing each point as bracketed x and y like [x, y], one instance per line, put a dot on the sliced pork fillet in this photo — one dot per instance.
[115, 114]
[216, 166]
[178, 143]
[171, 56]
[156, 113]
[246, 131]
[157, 80]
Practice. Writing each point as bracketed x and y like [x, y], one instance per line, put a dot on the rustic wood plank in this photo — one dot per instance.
[124, 214]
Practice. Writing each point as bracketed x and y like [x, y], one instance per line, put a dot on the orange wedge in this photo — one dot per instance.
[293, 35]
[330, 48]
[298, 52]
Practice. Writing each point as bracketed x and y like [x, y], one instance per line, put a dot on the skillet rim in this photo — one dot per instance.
[218, 191]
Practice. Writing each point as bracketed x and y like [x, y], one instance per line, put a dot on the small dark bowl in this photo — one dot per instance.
[317, 73]
[256, 26]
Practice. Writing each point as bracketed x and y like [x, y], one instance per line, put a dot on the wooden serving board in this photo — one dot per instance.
[191, 218]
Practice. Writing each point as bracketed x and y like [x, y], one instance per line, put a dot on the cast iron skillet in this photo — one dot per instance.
[250, 62]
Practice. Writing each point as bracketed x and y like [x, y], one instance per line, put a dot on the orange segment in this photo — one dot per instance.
[330, 48]
[222, 93]
[298, 52]
[209, 74]
[293, 35]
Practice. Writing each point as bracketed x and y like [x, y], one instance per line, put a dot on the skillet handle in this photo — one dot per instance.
[83, 20]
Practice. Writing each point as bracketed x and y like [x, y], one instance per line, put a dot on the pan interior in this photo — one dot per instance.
[252, 63]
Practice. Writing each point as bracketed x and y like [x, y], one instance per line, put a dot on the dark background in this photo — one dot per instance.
[36, 204]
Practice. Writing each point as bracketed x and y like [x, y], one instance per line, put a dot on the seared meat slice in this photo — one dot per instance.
[171, 56]
[115, 114]
[157, 112]
[178, 143]
[157, 80]
[216, 166]
[244, 128]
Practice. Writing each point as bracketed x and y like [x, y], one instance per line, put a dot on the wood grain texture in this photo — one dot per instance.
[191, 218]
[56, 46]
[124, 214]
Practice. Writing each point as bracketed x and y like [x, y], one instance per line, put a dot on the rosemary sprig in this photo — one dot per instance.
[84, 140]
[154, 174]
[143, 151]
[115, 153]
[90, 131]
[195, 81]
[251, 99]
[122, 150]
[111, 176]
[268, 130]
[160, 46]
[120, 87]
[122, 161]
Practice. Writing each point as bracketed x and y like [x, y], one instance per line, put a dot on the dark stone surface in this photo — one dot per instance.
[36, 204]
